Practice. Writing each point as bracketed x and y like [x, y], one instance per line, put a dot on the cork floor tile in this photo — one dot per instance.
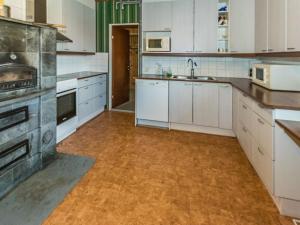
[146, 176]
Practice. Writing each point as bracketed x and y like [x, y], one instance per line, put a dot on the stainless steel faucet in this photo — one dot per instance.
[192, 69]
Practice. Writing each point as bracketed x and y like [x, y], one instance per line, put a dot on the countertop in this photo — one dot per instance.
[267, 98]
[79, 75]
[292, 128]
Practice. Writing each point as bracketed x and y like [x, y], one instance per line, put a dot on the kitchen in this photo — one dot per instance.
[209, 132]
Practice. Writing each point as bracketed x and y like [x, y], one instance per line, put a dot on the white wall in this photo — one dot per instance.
[75, 63]
[217, 67]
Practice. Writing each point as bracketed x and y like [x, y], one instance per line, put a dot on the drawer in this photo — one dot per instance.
[263, 134]
[246, 116]
[89, 81]
[85, 109]
[266, 114]
[246, 99]
[246, 141]
[86, 93]
[99, 88]
[99, 102]
[263, 165]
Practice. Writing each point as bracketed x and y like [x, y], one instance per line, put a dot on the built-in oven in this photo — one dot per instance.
[66, 106]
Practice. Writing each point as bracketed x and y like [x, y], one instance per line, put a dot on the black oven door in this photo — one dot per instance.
[66, 106]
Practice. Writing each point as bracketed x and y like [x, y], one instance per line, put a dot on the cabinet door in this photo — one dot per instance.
[206, 22]
[89, 29]
[182, 26]
[293, 32]
[152, 100]
[157, 16]
[261, 25]
[242, 25]
[225, 106]
[246, 141]
[277, 25]
[206, 104]
[287, 166]
[235, 113]
[181, 102]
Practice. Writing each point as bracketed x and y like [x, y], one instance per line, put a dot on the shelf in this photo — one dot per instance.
[74, 53]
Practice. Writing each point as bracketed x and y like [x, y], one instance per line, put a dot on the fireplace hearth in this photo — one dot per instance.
[27, 100]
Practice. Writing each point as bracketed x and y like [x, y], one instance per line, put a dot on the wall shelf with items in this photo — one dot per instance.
[223, 25]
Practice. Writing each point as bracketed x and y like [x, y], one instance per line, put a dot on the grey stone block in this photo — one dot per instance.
[48, 82]
[48, 40]
[48, 136]
[49, 155]
[48, 64]
[48, 108]
[33, 40]
[6, 182]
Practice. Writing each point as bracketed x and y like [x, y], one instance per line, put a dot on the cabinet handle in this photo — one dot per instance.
[86, 88]
[224, 86]
[260, 121]
[264, 50]
[271, 50]
[245, 107]
[245, 95]
[245, 129]
[291, 48]
[86, 80]
[187, 84]
[198, 85]
[260, 151]
[233, 51]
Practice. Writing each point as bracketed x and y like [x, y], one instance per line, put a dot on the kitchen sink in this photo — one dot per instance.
[194, 78]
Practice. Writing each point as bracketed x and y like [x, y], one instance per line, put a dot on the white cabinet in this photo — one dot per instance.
[181, 102]
[157, 16]
[206, 23]
[261, 25]
[235, 109]
[242, 25]
[225, 106]
[152, 100]
[91, 97]
[293, 32]
[287, 166]
[246, 140]
[182, 26]
[206, 104]
[79, 18]
[277, 25]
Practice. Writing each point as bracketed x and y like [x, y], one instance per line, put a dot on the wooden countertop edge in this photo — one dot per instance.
[290, 132]
[226, 82]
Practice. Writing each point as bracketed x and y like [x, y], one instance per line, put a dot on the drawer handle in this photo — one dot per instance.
[244, 95]
[245, 107]
[86, 103]
[264, 50]
[187, 84]
[86, 88]
[224, 86]
[260, 151]
[245, 129]
[260, 121]
[291, 48]
[86, 80]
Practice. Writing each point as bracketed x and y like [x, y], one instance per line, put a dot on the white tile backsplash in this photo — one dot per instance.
[207, 66]
[77, 63]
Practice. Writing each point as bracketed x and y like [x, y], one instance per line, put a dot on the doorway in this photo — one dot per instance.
[124, 66]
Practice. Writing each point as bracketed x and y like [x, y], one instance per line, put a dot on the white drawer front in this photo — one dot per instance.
[89, 81]
[86, 93]
[267, 114]
[85, 109]
[99, 88]
[264, 135]
[263, 165]
[99, 102]
[246, 116]
[246, 99]
[245, 139]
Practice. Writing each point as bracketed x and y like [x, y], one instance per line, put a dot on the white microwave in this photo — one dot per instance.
[277, 77]
[158, 44]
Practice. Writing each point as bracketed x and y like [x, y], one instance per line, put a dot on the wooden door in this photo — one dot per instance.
[120, 66]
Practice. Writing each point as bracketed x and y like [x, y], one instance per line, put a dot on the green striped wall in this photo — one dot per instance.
[107, 13]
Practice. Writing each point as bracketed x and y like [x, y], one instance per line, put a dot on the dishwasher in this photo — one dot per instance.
[152, 100]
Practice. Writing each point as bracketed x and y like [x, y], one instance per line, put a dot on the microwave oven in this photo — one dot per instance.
[158, 44]
[277, 77]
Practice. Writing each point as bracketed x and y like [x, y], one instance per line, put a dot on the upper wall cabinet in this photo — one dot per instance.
[276, 21]
[182, 26]
[157, 16]
[79, 18]
[293, 32]
[242, 25]
[261, 26]
[206, 15]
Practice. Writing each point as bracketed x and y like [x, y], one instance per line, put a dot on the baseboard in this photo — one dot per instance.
[201, 129]
[150, 123]
[89, 117]
[288, 207]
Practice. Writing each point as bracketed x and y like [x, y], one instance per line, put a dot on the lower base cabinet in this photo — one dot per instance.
[92, 98]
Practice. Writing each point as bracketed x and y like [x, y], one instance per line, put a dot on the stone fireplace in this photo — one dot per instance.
[27, 100]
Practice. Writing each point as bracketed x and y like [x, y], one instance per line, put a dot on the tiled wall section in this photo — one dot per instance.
[72, 64]
[217, 67]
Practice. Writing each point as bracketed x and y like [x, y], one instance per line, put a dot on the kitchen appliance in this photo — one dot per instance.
[158, 44]
[277, 77]
[66, 108]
